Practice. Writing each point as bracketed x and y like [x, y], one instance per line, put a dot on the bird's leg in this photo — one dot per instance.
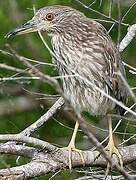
[71, 147]
[111, 146]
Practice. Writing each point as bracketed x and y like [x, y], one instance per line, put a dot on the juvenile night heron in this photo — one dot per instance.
[82, 46]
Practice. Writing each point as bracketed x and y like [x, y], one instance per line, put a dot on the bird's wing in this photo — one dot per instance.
[114, 68]
[113, 78]
[107, 56]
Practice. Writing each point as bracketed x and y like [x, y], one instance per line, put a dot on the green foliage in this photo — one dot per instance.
[14, 12]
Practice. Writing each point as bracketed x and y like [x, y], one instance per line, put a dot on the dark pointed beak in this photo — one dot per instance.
[30, 26]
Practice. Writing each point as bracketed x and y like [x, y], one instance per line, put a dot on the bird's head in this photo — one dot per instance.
[49, 19]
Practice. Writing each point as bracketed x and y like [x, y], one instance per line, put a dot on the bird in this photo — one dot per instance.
[87, 57]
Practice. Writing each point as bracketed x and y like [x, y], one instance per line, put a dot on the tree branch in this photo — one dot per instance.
[26, 139]
[128, 38]
[46, 161]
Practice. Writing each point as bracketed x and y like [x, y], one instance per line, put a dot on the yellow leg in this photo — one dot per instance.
[111, 146]
[71, 147]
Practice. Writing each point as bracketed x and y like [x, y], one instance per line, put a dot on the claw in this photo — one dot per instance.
[111, 148]
[70, 149]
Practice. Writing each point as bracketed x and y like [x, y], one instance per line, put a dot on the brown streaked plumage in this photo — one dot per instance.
[82, 47]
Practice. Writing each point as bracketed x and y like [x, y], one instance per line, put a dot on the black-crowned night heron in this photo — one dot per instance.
[82, 47]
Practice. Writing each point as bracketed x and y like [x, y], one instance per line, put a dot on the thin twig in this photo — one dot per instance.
[119, 23]
[42, 94]
[27, 59]
[33, 127]
[124, 16]
[127, 86]
[111, 27]
[129, 66]
[5, 66]
[125, 141]
[132, 72]
[92, 3]
[101, 14]
[19, 78]
[110, 8]
[42, 76]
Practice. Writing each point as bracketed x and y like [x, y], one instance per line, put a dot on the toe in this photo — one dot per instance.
[70, 149]
[81, 155]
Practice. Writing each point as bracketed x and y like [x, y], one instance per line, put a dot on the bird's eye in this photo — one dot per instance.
[50, 17]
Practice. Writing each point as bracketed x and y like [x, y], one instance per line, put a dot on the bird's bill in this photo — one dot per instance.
[28, 27]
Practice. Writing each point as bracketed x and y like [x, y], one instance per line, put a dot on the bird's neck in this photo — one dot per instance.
[66, 54]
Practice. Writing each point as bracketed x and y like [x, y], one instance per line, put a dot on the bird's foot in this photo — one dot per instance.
[111, 148]
[71, 148]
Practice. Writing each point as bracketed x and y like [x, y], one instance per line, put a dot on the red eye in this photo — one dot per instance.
[50, 17]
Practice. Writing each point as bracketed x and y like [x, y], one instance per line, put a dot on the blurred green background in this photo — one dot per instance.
[20, 105]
